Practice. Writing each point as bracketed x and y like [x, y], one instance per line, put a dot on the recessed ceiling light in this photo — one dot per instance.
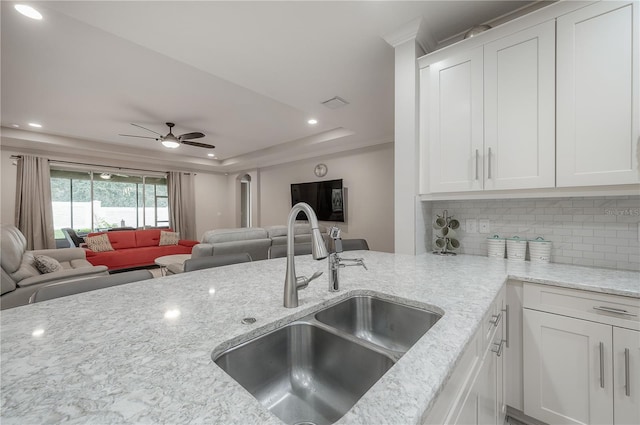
[312, 121]
[28, 11]
[212, 155]
[35, 124]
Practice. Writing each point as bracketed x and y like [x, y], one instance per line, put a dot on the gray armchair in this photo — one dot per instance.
[20, 277]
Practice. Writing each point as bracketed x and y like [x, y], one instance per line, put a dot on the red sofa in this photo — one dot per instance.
[135, 248]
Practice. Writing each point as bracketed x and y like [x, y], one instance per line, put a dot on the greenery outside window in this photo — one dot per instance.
[85, 201]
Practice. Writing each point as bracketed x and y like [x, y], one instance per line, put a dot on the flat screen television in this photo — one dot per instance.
[325, 197]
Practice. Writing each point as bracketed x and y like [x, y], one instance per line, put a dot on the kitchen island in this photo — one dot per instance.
[141, 352]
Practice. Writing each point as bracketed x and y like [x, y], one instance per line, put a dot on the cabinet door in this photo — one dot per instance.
[598, 95]
[513, 346]
[486, 389]
[626, 378]
[456, 123]
[519, 112]
[567, 369]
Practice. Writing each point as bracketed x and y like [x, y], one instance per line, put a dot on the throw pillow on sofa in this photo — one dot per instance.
[99, 243]
[46, 264]
[169, 238]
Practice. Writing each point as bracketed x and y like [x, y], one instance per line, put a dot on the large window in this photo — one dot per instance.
[87, 201]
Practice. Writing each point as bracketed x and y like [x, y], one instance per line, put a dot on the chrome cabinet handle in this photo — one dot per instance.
[614, 310]
[489, 164]
[506, 325]
[627, 381]
[601, 365]
[495, 319]
[497, 347]
[477, 154]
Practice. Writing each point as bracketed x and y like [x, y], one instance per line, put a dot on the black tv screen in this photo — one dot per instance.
[325, 197]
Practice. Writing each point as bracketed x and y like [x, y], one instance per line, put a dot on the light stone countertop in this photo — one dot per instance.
[141, 352]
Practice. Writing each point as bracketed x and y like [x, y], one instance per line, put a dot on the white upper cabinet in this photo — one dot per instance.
[490, 115]
[519, 110]
[456, 123]
[598, 90]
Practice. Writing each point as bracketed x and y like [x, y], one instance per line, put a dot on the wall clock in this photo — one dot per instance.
[320, 170]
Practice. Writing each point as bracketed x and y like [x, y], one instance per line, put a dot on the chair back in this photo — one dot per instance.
[215, 261]
[72, 237]
[354, 244]
[63, 289]
[279, 251]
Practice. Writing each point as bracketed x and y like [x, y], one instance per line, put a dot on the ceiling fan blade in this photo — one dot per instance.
[145, 128]
[188, 136]
[197, 144]
[142, 137]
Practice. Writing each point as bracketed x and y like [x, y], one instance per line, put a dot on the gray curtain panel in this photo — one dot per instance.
[34, 212]
[182, 205]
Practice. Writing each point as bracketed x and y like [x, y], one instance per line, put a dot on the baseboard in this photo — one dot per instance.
[521, 417]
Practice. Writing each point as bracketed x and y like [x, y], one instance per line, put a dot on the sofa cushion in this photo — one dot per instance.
[231, 235]
[148, 237]
[99, 243]
[13, 245]
[46, 264]
[27, 268]
[258, 249]
[169, 238]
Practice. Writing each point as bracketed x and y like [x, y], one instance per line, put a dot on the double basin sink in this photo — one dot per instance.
[313, 370]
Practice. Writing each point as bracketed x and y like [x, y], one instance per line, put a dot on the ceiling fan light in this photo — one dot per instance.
[171, 144]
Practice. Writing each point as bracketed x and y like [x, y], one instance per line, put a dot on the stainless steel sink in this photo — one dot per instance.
[384, 323]
[314, 370]
[303, 373]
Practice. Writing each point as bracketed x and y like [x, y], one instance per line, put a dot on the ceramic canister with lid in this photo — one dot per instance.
[516, 248]
[495, 246]
[539, 250]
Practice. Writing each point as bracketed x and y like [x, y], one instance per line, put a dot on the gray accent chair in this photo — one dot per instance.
[20, 278]
[64, 289]
[354, 244]
[72, 237]
[279, 251]
[253, 240]
[208, 262]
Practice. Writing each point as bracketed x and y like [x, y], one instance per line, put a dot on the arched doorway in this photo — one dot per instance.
[245, 201]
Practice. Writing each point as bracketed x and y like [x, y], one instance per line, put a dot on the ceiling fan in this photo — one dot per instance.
[172, 141]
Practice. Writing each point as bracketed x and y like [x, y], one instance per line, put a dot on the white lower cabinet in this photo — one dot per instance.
[474, 394]
[567, 369]
[626, 378]
[581, 354]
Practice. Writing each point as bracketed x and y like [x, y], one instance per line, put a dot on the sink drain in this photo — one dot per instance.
[305, 423]
[251, 321]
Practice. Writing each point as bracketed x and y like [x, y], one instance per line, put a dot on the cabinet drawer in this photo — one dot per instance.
[603, 308]
[492, 321]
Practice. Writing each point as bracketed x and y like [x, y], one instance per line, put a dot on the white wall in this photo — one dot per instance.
[368, 177]
[212, 212]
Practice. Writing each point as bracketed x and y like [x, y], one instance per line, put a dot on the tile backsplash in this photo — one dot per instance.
[593, 231]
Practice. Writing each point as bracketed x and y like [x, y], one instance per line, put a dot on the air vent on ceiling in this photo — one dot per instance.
[335, 103]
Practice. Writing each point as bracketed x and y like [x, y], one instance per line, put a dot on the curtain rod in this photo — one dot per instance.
[97, 165]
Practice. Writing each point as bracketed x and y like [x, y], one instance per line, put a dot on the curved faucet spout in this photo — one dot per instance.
[318, 249]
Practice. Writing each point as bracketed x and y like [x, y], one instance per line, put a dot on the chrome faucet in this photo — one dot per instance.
[292, 283]
[336, 262]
